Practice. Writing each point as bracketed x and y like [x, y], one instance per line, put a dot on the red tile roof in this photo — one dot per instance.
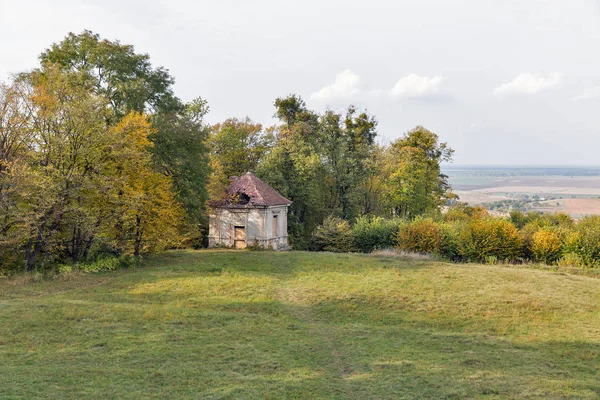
[249, 191]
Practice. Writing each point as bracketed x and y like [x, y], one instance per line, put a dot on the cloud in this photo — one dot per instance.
[529, 83]
[346, 85]
[589, 94]
[415, 86]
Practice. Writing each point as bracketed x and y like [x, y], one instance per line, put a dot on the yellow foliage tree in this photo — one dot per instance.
[146, 215]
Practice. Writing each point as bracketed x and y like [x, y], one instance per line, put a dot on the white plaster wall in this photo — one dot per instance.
[258, 223]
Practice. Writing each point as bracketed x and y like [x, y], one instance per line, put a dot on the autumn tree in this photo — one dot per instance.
[130, 83]
[69, 181]
[143, 214]
[69, 138]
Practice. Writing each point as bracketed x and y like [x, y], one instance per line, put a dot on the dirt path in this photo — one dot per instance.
[319, 329]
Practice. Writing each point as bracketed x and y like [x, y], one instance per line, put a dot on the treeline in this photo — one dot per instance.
[330, 164]
[99, 158]
[470, 234]
[100, 162]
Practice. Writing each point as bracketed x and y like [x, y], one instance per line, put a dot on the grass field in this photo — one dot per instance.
[254, 325]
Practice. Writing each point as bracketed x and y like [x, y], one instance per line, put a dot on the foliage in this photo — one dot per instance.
[180, 152]
[464, 212]
[236, 147]
[588, 240]
[449, 246]
[416, 185]
[375, 233]
[546, 245]
[128, 82]
[421, 236]
[73, 179]
[334, 235]
[116, 72]
[490, 237]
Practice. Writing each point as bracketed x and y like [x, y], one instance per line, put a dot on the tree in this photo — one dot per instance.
[292, 110]
[416, 185]
[236, 146]
[180, 151]
[346, 148]
[144, 215]
[294, 167]
[125, 78]
[16, 118]
[69, 141]
[130, 83]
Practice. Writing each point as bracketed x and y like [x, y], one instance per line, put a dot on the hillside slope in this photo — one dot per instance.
[247, 325]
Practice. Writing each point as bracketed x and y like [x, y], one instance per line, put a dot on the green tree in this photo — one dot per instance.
[347, 145]
[127, 79]
[416, 185]
[180, 152]
[236, 146]
[294, 167]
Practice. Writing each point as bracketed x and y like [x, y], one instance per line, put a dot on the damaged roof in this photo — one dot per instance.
[249, 190]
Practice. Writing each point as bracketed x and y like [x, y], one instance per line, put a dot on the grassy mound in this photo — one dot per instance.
[227, 324]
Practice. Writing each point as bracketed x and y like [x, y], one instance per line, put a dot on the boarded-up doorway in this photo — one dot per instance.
[239, 237]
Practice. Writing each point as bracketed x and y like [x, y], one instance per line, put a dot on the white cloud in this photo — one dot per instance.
[346, 85]
[529, 83]
[589, 94]
[415, 86]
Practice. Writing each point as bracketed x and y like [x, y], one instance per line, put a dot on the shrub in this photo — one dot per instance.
[449, 240]
[109, 264]
[547, 245]
[587, 243]
[519, 219]
[527, 232]
[570, 260]
[375, 233]
[420, 236]
[334, 235]
[463, 212]
[490, 237]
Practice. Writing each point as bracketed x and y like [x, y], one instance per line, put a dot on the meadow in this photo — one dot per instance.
[296, 325]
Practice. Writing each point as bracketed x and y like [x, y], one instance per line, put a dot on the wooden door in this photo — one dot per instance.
[239, 237]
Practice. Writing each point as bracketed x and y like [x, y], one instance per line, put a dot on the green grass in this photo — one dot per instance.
[253, 325]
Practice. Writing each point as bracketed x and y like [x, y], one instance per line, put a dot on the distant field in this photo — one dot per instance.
[576, 190]
[254, 325]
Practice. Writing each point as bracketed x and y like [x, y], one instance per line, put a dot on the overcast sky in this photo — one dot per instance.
[503, 81]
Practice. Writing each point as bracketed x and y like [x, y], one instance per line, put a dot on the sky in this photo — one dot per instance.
[504, 82]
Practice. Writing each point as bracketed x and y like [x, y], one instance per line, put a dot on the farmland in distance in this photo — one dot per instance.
[571, 190]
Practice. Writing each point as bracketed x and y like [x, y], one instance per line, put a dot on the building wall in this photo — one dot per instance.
[258, 223]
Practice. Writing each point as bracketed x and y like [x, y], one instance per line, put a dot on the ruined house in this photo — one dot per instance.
[252, 213]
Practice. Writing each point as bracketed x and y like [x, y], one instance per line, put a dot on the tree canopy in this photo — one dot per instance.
[99, 157]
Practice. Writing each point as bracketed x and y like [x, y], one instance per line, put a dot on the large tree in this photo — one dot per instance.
[130, 83]
[347, 142]
[236, 146]
[416, 184]
[127, 79]
[294, 167]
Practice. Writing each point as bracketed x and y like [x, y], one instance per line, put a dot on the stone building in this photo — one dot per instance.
[252, 213]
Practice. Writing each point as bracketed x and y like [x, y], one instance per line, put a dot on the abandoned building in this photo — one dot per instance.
[251, 214]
